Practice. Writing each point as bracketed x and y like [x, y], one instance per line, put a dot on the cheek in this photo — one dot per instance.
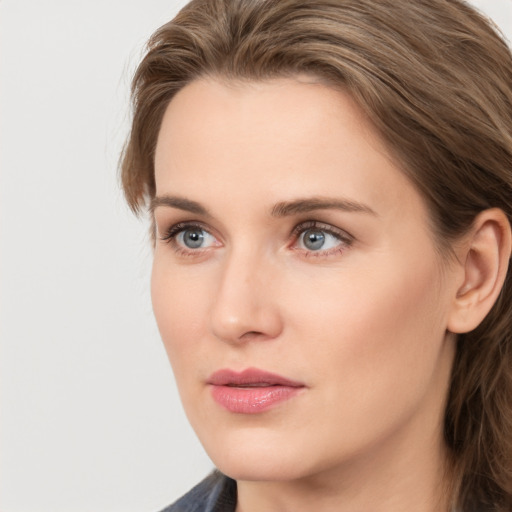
[384, 326]
[180, 305]
[370, 343]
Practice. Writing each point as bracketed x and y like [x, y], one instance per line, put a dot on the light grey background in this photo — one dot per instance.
[90, 417]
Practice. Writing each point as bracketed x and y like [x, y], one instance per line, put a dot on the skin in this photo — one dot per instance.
[362, 324]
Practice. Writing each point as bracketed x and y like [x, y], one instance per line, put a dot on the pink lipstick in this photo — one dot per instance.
[251, 391]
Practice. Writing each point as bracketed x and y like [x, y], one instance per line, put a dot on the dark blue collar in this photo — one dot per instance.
[216, 493]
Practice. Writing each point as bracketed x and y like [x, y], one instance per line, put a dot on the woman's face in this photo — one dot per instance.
[296, 284]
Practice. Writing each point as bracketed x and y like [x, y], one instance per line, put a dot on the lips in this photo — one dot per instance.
[250, 377]
[251, 391]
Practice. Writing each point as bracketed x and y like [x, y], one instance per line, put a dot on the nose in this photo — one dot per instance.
[245, 306]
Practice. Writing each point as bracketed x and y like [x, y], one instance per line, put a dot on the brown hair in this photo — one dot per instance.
[435, 78]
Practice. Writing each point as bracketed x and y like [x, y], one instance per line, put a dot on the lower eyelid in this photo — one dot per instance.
[333, 251]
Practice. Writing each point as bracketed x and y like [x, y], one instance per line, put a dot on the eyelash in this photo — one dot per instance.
[175, 230]
[345, 239]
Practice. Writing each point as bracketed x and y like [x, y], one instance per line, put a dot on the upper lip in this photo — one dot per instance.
[250, 376]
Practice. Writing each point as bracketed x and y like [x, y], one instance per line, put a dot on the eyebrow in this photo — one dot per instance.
[180, 203]
[281, 209]
[285, 209]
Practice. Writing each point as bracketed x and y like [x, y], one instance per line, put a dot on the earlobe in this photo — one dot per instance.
[485, 259]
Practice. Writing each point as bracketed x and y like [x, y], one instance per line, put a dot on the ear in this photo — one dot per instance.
[484, 256]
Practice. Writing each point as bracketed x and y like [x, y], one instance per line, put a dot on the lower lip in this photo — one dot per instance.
[252, 400]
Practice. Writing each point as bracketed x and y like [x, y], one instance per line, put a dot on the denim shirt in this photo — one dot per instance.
[216, 493]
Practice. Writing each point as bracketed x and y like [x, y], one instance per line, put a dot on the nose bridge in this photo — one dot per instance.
[244, 306]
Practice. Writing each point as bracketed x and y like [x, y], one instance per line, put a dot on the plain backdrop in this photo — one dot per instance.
[90, 417]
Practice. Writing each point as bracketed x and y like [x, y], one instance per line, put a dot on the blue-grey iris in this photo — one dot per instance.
[193, 238]
[313, 239]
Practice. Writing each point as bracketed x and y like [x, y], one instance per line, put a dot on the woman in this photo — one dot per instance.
[330, 185]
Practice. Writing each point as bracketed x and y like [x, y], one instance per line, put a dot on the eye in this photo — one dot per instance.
[316, 240]
[190, 237]
[323, 239]
[194, 238]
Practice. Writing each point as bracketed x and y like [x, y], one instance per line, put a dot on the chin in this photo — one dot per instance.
[259, 468]
[260, 457]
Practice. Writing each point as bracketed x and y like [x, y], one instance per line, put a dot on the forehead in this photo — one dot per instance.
[282, 137]
[211, 108]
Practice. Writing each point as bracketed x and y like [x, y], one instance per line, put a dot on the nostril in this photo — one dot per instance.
[250, 335]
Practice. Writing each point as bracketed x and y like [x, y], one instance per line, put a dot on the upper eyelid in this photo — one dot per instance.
[322, 226]
[175, 228]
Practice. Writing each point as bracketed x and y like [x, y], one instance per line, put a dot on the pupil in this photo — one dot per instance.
[193, 238]
[314, 239]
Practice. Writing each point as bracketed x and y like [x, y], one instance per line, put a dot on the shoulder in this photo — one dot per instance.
[216, 493]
